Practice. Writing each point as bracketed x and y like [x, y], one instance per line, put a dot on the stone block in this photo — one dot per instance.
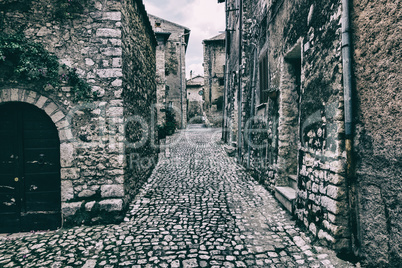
[116, 16]
[117, 83]
[324, 235]
[66, 154]
[62, 124]
[337, 167]
[330, 204]
[57, 116]
[336, 179]
[111, 205]
[112, 51]
[86, 193]
[115, 112]
[67, 191]
[41, 102]
[31, 97]
[65, 135]
[50, 108]
[69, 173]
[89, 205]
[5, 95]
[336, 192]
[110, 73]
[89, 62]
[14, 96]
[112, 191]
[69, 209]
[106, 32]
[116, 62]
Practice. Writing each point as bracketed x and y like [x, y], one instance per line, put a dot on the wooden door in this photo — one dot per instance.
[29, 169]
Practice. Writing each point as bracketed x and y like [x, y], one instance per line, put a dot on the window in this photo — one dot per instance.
[221, 81]
[264, 79]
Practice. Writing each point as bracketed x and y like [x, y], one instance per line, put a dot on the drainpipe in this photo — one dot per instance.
[347, 87]
[347, 68]
[239, 132]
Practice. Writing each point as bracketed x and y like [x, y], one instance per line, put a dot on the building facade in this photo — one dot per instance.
[214, 65]
[77, 81]
[195, 99]
[175, 67]
[301, 110]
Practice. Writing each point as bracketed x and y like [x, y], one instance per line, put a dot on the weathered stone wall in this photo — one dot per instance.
[139, 95]
[91, 131]
[377, 55]
[214, 61]
[299, 130]
[161, 77]
[232, 72]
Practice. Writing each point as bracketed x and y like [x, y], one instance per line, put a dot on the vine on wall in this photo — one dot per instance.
[63, 9]
[69, 9]
[24, 61]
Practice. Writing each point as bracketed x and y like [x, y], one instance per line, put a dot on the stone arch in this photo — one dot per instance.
[59, 118]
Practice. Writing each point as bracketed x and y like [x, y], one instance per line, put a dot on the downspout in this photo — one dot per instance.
[347, 68]
[239, 132]
[348, 102]
[226, 75]
[181, 83]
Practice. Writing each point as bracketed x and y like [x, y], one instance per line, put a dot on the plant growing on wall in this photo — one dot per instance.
[170, 125]
[23, 61]
[68, 9]
[171, 63]
[10, 5]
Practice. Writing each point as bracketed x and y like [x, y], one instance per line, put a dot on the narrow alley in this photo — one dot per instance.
[198, 209]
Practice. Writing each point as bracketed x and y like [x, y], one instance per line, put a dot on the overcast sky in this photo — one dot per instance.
[205, 19]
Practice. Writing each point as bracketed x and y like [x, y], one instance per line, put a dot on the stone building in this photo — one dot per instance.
[77, 83]
[214, 61]
[313, 87]
[174, 78]
[161, 38]
[195, 99]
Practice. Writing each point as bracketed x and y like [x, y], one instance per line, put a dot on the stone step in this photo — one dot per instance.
[292, 181]
[286, 196]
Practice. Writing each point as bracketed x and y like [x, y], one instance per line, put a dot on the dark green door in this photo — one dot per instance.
[29, 169]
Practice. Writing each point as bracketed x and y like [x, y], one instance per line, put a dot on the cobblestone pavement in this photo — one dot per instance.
[198, 209]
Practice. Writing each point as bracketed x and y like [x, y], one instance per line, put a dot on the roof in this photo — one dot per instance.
[196, 81]
[186, 30]
[219, 37]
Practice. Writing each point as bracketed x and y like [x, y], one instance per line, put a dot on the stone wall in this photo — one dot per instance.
[377, 54]
[232, 72]
[297, 131]
[93, 41]
[139, 95]
[214, 61]
[175, 52]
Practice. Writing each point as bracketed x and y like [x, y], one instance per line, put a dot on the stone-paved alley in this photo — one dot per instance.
[198, 209]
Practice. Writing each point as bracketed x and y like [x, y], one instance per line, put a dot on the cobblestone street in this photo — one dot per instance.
[198, 209]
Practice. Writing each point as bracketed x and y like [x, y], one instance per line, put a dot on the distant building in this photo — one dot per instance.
[195, 100]
[214, 62]
[173, 41]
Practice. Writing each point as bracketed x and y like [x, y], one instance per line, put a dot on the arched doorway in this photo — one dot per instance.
[30, 197]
